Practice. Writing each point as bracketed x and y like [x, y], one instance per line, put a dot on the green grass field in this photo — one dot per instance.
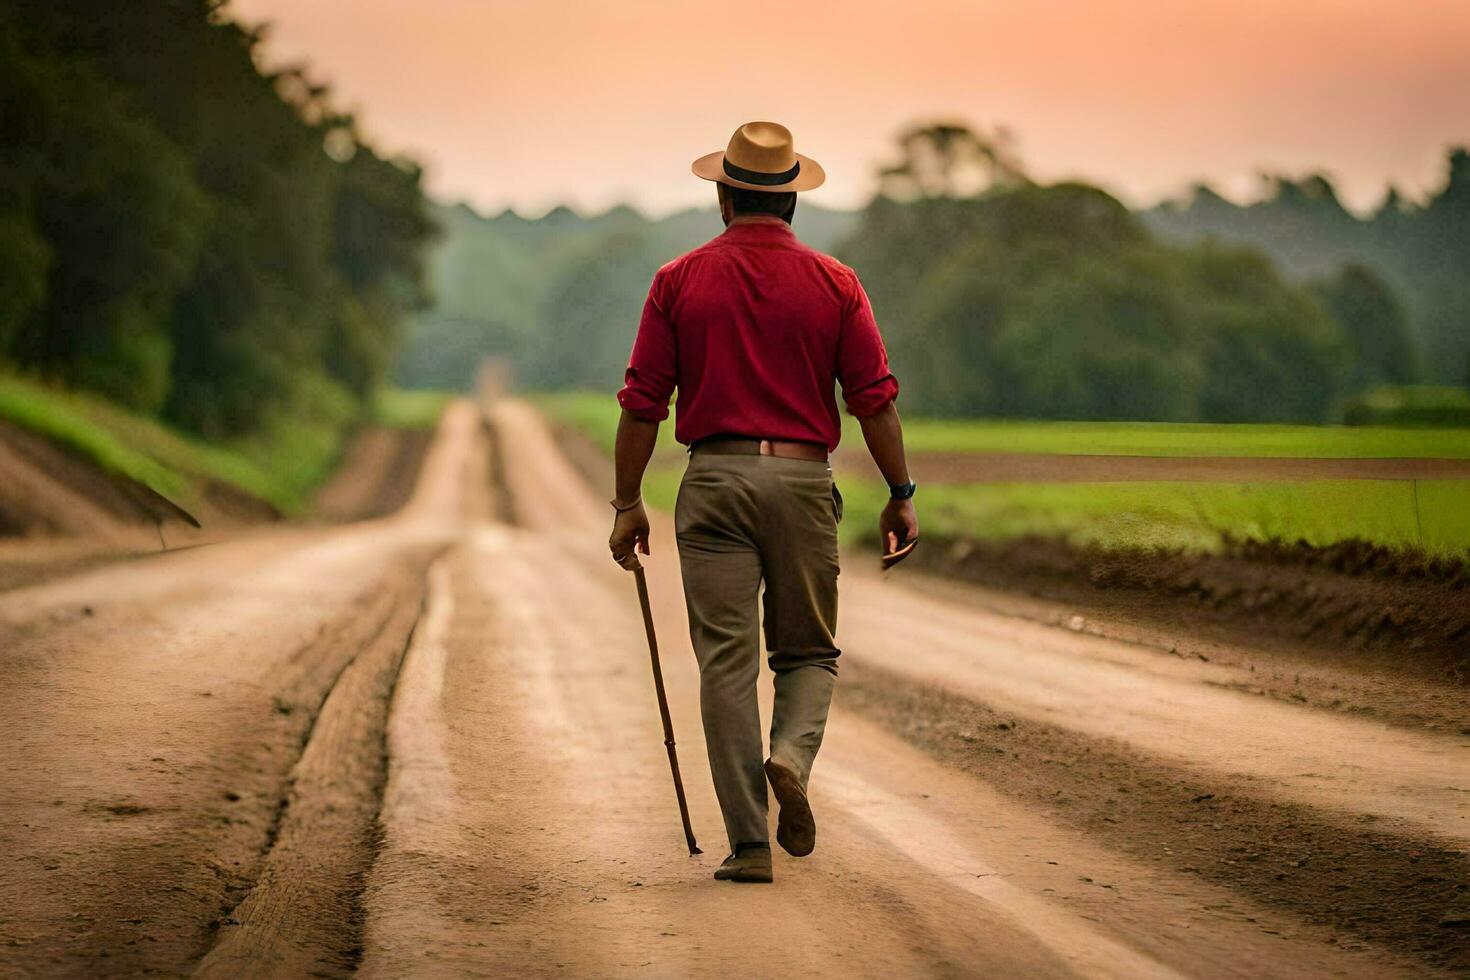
[1434, 515]
[282, 467]
[400, 408]
[1191, 516]
[1185, 439]
[597, 414]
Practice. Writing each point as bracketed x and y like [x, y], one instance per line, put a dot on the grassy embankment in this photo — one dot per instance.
[1432, 514]
[282, 469]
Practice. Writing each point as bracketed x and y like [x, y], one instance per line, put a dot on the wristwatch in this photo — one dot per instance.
[902, 491]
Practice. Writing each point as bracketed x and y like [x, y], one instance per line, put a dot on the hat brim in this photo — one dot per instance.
[711, 166]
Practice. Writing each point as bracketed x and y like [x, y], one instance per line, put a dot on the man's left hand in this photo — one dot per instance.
[630, 531]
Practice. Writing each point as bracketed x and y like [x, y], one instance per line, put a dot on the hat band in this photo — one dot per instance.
[760, 177]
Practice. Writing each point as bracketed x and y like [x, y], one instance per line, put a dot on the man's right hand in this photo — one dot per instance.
[630, 530]
[898, 524]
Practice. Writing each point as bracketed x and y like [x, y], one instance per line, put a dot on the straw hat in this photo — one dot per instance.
[760, 157]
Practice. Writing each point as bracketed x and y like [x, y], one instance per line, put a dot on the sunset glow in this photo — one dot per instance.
[530, 103]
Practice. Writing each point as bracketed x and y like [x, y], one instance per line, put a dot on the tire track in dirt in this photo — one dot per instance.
[147, 780]
[503, 504]
[1255, 663]
[1368, 883]
[303, 913]
[562, 794]
[418, 842]
[936, 851]
[154, 713]
[1167, 708]
[376, 475]
[543, 840]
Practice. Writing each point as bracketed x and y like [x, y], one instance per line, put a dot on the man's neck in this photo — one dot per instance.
[755, 219]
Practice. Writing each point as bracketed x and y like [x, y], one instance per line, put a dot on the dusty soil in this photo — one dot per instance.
[427, 745]
[1363, 883]
[48, 491]
[25, 562]
[1258, 665]
[324, 839]
[162, 827]
[935, 467]
[197, 747]
[1351, 603]
[376, 476]
[235, 508]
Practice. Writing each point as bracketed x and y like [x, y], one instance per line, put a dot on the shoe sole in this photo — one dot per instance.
[747, 879]
[796, 828]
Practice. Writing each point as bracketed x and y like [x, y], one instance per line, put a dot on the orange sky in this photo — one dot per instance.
[531, 102]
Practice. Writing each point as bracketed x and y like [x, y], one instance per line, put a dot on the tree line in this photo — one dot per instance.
[558, 296]
[1004, 297]
[998, 296]
[188, 233]
[1053, 302]
[1419, 248]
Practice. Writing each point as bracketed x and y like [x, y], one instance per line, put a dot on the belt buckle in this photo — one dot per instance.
[766, 449]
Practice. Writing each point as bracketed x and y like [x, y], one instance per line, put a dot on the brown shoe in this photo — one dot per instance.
[750, 862]
[796, 829]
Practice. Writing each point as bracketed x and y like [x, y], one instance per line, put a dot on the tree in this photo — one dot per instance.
[1270, 352]
[1107, 336]
[1375, 326]
[187, 234]
[947, 159]
[591, 311]
[1420, 250]
[26, 257]
[1055, 302]
[106, 209]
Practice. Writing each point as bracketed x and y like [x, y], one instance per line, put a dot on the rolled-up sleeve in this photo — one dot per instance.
[648, 384]
[868, 386]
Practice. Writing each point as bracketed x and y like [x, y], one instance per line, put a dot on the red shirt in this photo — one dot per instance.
[754, 328]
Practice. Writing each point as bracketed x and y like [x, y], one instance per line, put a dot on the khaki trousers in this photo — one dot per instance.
[742, 521]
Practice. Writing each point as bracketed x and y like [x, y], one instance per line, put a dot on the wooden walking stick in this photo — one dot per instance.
[632, 564]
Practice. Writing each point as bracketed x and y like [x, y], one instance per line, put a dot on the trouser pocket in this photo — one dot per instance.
[836, 504]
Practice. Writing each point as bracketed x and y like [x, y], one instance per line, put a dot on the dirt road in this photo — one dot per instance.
[427, 745]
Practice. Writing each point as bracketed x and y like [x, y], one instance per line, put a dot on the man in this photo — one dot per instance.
[754, 330]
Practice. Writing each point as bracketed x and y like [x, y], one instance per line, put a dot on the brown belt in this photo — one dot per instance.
[762, 447]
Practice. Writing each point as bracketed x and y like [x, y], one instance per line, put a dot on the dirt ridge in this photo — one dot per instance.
[1371, 883]
[936, 467]
[376, 475]
[1352, 603]
[50, 490]
[303, 912]
[503, 501]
